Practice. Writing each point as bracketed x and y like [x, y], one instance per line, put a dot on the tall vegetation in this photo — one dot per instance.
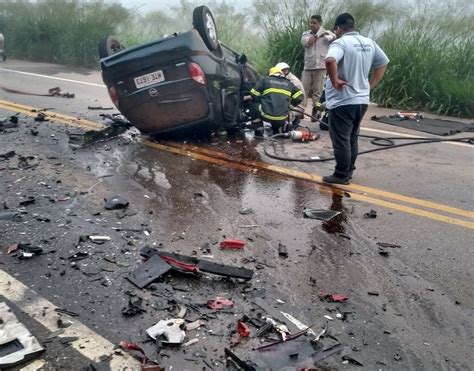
[57, 30]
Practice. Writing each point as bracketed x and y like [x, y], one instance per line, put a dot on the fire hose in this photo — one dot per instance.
[385, 143]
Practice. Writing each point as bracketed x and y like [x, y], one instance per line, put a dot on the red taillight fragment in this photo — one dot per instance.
[196, 73]
[114, 96]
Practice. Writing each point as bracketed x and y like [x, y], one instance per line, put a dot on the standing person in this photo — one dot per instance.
[349, 60]
[274, 94]
[285, 70]
[316, 43]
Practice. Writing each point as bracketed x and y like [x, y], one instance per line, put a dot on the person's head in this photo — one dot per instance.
[344, 23]
[275, 71]
[316, 21]
[284, 67]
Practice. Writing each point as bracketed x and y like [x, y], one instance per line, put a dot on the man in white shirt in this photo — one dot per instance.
[316, 42]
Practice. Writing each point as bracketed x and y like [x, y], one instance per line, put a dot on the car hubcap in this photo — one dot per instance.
[211, 27]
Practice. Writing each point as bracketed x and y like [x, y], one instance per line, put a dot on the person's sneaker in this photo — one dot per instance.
[332, 179]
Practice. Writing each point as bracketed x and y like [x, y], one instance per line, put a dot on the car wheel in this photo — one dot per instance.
[109, 45]
[204, 23]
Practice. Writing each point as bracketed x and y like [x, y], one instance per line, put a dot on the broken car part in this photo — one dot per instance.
[320, 214]
[93, 136]
[243, 329]
[147, 363]
[202, 265]
[220, 303]
[115, 203]
[148, 272]
[170, 329]
[300, 326]
[232, 244]
[17, 344]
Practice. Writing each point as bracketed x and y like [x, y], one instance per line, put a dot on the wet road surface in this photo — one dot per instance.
[417, 315]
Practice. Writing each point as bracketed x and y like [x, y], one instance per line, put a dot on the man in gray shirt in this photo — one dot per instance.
[348, 62]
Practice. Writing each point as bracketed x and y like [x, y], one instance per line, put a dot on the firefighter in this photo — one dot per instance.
[273, 95]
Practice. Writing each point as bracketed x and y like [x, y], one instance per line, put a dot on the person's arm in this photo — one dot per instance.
[256, 91]
[331, 68]
[297, 96]
[308, 39]
[377, 76]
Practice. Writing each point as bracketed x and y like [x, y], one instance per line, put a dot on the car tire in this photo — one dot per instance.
[109, 45]
[204, 23]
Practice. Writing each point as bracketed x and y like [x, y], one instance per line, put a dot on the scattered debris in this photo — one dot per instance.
[336, 298]
[302, 326]
[372, 214]
[41, 117]
[243, 329]
[99, 239]
[192, 264]
[232, 244]
[24, 250]
[56, 92]
[320, 214]
[115, 203]
[9, 123]
[349, 359]
[282, 250]
[17, 344]
[147, 363]
[191, 342]
[220, 303]
[28, 201]
[148, 272]
[134, 305]
[390, 245]
[65, 311]
[194, 325]
[113, 129]
[246, 211]
[99, 108]
[7, 155]
[373, 293]
[170, 329]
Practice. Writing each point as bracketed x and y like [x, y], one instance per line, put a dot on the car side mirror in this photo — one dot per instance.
[243, 59]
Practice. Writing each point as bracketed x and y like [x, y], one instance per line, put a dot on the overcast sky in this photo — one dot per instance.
[146, 5]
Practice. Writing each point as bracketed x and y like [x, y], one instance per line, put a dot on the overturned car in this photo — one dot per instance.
[179, 82]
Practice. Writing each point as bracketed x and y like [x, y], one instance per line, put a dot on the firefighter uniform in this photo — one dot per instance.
[274, 94]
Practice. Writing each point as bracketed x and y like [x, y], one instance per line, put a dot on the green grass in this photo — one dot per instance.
[58, 31]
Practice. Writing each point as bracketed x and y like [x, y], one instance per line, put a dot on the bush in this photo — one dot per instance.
[58, 31]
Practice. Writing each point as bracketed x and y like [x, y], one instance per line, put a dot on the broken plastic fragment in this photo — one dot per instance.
[232, 244]
[220, 303]
[320, 214]
[170, 329]
[115, 203]
[372, 214]
[243, 329]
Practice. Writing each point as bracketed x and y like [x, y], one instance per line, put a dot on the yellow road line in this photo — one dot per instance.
[318, 179]
[272, 168]
[58, 117]
[227, 160]
[90, 344]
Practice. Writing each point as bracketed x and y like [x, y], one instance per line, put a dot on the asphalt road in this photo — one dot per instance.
[420, 317]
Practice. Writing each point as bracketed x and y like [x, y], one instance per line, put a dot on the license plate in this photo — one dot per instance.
[149, 79]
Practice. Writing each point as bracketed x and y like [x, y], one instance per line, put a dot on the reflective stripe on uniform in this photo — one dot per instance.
[269, 117]
[297, 94]
[277, 91]
[255, 92]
